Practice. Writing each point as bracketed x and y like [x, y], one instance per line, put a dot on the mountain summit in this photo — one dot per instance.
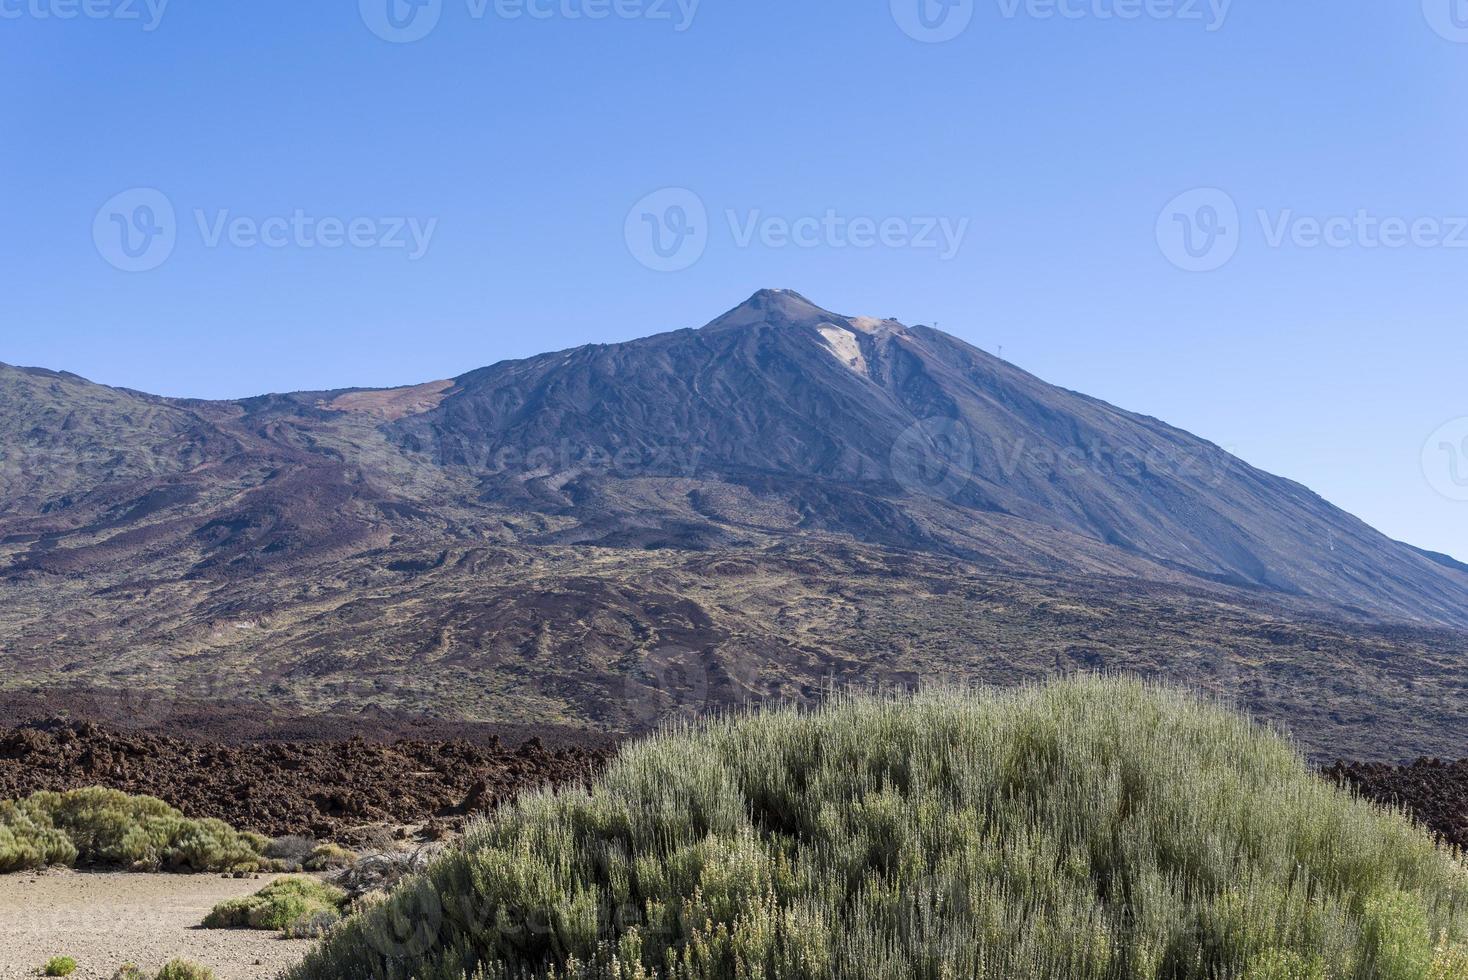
[784, 494]
[909, 437]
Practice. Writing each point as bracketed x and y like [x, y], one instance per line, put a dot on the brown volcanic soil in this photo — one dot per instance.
[1433, 790]
[331, 790]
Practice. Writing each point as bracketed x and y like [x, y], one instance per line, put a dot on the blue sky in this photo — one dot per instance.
[354, 208]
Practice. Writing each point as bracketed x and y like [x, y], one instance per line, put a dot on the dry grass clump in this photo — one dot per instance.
[1097, 828]
[104, 828]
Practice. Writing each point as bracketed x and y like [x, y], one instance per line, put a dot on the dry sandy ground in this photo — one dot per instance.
[105, 920]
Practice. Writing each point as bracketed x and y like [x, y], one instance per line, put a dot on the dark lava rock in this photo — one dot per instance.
[326, 789]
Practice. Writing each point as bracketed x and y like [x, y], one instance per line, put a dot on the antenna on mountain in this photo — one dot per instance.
[1001, 352]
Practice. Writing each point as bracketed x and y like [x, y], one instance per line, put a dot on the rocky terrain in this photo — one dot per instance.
[1433, 791]
[352, 792]
[784, 501]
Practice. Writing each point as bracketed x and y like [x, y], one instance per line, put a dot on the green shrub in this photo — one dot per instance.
[330, 857]
[129, 971]
[284, 905]
[313, 925]
[106, 828]
[184, 970]
[59, 966]
[1097, 828]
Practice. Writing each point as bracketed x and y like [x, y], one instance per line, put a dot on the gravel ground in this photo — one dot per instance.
[105, 920]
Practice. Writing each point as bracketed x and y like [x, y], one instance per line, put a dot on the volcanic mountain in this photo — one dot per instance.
[784, 498]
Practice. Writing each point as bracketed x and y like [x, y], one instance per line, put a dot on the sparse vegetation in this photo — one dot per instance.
[59, 966]
[184, 970]
[330, 857]
[291, 851]
[1089, 829]
[104, 828]
[129, 971]
[297, 906]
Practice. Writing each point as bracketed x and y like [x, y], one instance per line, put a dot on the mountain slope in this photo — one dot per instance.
[885, 423]
[750, 510]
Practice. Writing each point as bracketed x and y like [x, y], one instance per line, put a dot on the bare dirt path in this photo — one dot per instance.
[105, 920]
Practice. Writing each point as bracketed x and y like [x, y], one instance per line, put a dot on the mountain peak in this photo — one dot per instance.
[780, 299]
[782, 306]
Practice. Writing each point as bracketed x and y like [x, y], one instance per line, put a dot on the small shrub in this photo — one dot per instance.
[330, 857]
[60, 966]
[279, 906]
[184, 970]
[314, 925]
[292, 851]
[129, 971]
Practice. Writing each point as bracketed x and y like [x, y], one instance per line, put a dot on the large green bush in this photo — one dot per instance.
[1089, 829]
[105, 828]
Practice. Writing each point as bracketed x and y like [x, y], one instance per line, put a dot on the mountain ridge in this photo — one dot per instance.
[535, 533]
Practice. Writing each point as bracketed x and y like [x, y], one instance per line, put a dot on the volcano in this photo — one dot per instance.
[695, 519]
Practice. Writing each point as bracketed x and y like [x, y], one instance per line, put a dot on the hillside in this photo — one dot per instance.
[781, 500]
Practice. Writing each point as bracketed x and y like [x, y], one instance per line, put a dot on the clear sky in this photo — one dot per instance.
[354, 207]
